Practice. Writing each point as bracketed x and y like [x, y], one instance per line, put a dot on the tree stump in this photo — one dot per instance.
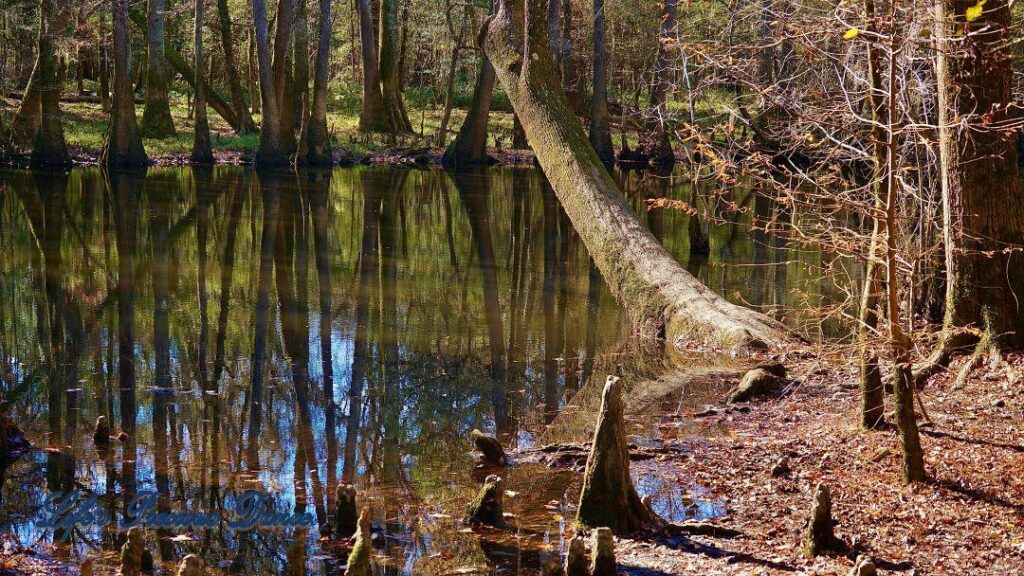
[362, 551]
[131, 553]
[487, 508]
[295, 564]
[820, 535]
[576, 558]
[609, 498]
[346, 514]
[147, 565]
[101, 437]
[602, 553]
[864, 566]
[755, 383]
[489, 448]
[191, 565]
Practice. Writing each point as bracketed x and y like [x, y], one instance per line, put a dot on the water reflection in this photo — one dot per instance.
[289, 332]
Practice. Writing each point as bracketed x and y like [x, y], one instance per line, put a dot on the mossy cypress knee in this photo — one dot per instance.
[576, 558]
[346, 514]
[489, 447]
[362, 552]
[602, 553]
[487, 508]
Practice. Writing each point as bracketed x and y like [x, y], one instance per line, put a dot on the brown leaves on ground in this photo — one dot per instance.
[967, 519]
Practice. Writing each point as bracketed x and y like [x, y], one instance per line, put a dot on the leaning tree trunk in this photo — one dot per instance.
[373, 116]
[231, 68]
[270, 152]
[124, 143]
[316, 139]
[658, 145]
[660, 297]
[156, 117]
[389, 85]
[49, 148]
[982, 195]
[600, 133]
[202, 150]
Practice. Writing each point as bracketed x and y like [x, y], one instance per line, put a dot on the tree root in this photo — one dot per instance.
[952, 342]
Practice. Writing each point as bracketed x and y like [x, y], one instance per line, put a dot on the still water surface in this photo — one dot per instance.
[291, 332]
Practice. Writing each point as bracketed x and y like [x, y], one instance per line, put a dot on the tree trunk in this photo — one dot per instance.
[281, 67]
[270, 152]
[49, 148]
[453, 66]
[317, 140]
[298, 99]
[389, 86]
[660, 297]
[470, 144]
[600, 133]
[231, 68]
[156, 117]
[104, 49]
[253, 73]
[373, 116]
[124, 142]
[658, 145]
[982, 196]
[202, 150]
[26, 121]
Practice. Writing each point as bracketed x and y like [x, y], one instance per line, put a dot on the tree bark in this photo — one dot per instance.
[389, 85]
[470, 144]
[270, 152]
[49, 148]
[373, 116]
[983, 199]
[231, 68]
[156, 117]
[281, 66]
[600, 133]
[317, 140]
[124, 142]
[658, 145]
[202, 150]
[25, 124]
[660, 297]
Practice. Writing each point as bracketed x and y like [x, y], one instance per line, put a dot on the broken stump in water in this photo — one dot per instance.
[576, 558]
[101, 437]
[820, 535]
[295, 558]
[757, 382]
[191, 565]
[608, 498]
[490, 448]
[346, 514]
[132, 552]
[487, 507]
[362, 551]
[602, 553]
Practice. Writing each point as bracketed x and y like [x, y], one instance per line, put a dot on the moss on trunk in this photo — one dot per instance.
[487, 507]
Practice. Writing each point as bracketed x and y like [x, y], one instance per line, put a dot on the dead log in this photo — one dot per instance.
[346, 512]
[487, 508]
[608, 498]
[489, 448]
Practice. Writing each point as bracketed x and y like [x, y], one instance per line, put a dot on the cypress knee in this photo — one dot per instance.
[487, 507]
[489, 447]
[346, 515]
[296, 556]
[820, 535]
[131, 553]
[609, 497]
[191, 565]
[101, 437]
[602, 553]
[576, 558]
[359, 558]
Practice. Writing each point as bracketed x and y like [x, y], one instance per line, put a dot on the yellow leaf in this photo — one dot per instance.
[974, 12]
[852, 33]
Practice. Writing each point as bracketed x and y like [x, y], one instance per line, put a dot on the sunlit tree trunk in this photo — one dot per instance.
[658, 295]
[470, 144]
[982, 195]
[124, 142]
[231, 70]
[156, 117]
[317, 140]
[271, 152]
[658, 144]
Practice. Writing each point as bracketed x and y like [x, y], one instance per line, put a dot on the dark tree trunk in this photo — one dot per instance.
[373, 116]
[281, 66]
[202, 150]
[658, 145]
[600, 131]
[271, 152]
[470, 145]
[981, 190]
[317, 140]
[231, 70]
[388, 66]
[49, 148]
[156, 117]
[124, 142]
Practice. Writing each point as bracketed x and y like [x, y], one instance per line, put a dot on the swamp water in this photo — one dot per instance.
[287, 333]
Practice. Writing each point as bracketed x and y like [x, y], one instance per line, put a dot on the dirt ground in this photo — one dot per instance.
[967, 519]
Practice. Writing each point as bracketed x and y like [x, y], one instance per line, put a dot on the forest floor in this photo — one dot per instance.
[965, 520]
